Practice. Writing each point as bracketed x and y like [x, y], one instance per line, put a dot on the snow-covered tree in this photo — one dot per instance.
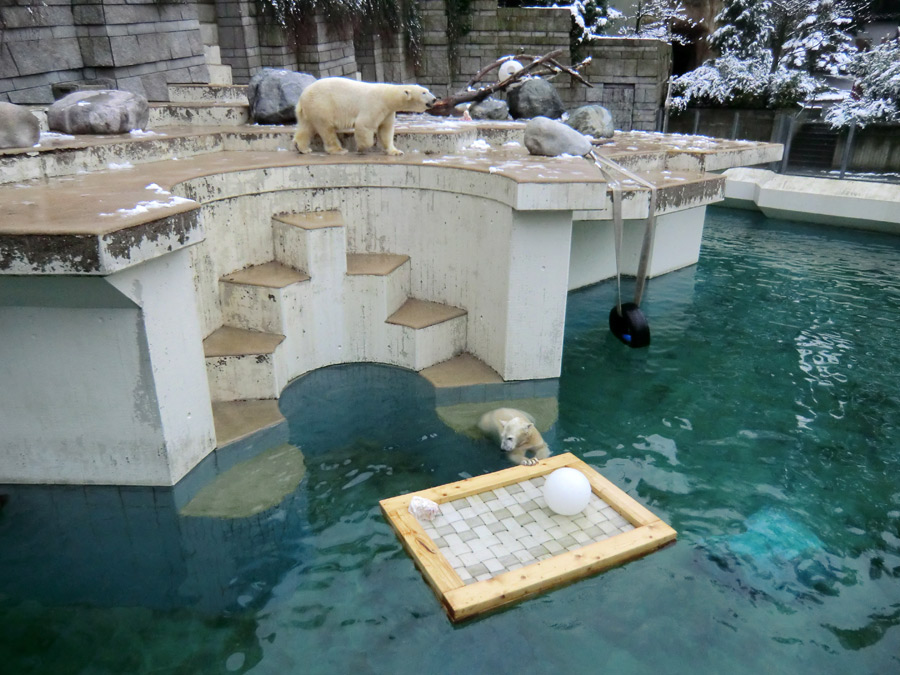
[590, 19]
[821, 41]
[877, 90]
[745, 28]
[656, 19]
[771, 53]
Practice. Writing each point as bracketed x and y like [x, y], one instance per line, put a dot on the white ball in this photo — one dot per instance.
[567, 491]
[507, 69]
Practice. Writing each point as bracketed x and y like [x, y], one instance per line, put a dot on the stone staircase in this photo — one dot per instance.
[316, 304]
[813, 147]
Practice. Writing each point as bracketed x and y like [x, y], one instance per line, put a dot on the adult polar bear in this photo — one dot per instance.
[339, 104]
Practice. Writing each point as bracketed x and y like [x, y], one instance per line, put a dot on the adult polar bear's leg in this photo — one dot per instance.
[365, 137]
[304, 133]
[386, 135]
[328, 132]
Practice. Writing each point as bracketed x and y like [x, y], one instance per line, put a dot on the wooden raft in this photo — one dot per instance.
[462, 600]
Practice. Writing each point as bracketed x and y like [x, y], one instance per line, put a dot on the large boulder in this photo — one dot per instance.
[18, 127]
[273, 95]
[489, 109]
[592, 120]
[108, 111]
[534, 97]
[551, 138]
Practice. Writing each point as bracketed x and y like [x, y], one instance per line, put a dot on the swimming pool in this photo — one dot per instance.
[762, 423]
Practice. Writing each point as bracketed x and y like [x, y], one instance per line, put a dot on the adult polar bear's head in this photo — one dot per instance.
[514, 431]
[417, 99]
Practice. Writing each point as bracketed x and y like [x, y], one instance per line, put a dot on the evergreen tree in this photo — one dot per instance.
[877, 98]
[745, 28]
[821, 41]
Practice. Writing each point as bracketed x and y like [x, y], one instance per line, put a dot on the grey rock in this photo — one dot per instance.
[534, 97]
[551, 138]
[273, 95]
[63, 89]
[592, 120]
[108, 111]
[18, 127]
[489, 109]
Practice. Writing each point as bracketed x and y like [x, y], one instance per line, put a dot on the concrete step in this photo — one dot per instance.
[376, 285]
[219, 73]
[243, 364]
[198, 114]
[418, 314]
[208, 93]
[64, 155]
[260, 297]
[424, 333]
[384, 276]
[462, 370]
[235, 420]
[314, 241]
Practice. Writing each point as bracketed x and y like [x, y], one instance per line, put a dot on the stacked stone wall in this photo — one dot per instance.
[144, 45]
[140, 45]
[382, 58]
[629, 75]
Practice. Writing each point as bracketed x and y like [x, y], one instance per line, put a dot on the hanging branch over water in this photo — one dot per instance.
[540, 65]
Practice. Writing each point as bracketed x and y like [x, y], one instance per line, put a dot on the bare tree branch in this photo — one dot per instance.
[548, 61]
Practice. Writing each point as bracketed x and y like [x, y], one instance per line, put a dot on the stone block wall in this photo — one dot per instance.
[382, 58]
[327, 52]
[141, 45]
[250, 40]
[629, 75]
[144, 45]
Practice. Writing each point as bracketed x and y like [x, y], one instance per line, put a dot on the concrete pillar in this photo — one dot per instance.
[538, 271]
[102, 380]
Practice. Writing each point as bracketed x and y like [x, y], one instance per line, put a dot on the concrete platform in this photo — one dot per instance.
[845, 203]
[175, 242]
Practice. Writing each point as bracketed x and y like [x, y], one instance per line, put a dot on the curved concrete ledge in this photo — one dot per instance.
[855, 204]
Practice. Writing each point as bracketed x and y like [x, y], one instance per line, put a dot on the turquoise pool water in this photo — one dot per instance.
[762, 423]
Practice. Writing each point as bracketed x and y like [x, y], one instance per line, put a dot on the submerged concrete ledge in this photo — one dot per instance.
[846, 203]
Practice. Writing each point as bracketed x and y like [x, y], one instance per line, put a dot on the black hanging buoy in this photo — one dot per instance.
[630, 326]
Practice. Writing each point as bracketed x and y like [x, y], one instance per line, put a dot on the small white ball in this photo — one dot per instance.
[567, 491]
[508, 68]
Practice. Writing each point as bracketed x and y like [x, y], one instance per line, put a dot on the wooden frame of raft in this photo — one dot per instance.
[463, 601]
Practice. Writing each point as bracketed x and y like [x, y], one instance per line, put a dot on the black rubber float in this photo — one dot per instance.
[630, 326]
[626, 321]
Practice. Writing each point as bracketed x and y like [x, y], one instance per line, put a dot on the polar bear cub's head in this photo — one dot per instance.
[514, 432]
[418, 99]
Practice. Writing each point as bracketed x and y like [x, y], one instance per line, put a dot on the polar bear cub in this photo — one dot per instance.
[515, 431]
[335, 105]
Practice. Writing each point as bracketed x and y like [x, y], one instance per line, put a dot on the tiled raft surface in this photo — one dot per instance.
[500, 530]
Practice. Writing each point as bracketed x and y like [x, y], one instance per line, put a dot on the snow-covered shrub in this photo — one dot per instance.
[877, 90]
[735, 82]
